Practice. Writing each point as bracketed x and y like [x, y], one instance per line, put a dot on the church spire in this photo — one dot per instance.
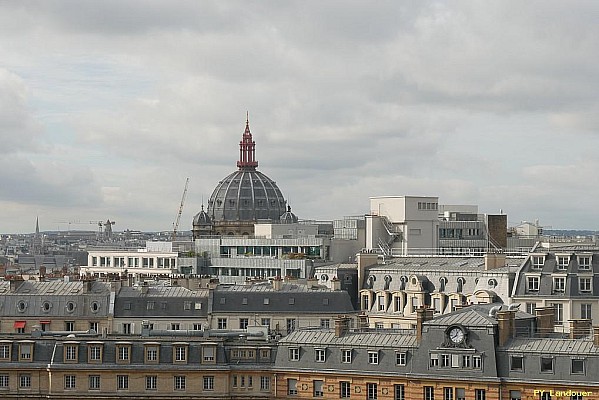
[247, 148]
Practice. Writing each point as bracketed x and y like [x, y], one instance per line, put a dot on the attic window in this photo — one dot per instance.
[325, 302]
[244, 301]
[222, 300]
[266, 301]
[291, 300]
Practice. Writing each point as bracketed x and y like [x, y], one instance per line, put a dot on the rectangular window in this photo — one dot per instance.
[127, 329]
[538, 261]
[531, 308]
[559, 313]
[466, 361]
[222, 323]
[380, 303]
[69, 326]
[94, 382]
[291, 324]
[180, 353]
[559, 284]
[123, 353]
[455, 360]
[150, 305]
[577, 366]
[373, 357]
[584, 262]
[371, 391]
[584, 284]
[294, 354]
[243, 323]
[265, 322]
[344, 389]
[292, 387]
[562, 262]
[5, 351]
[585, 311]
[70, 381]
[533, 283]
[515, 395]
[346, 356]
[445, 360]
[546, 364]
[516, 363]
[325, 323]
[399, 392]
[320, 355]
[94, 326]
[151, 382]
[477, 362]
[400, 358]
[122, 382]
[70, 352]
[265, 383]
[208, 353]
[25, 351]
[437, 305]
[480, 394]
[4, 381]
[151, 354]
[434, 360]
[447, 393]
[460, 394]
[429, 393]
[24, 381]
[179, 382]
[209, 383]
[318, 388]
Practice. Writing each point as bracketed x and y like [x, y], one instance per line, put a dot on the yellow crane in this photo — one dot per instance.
[178, 218]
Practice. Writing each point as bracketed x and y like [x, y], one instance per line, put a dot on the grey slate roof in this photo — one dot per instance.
[290, 299]
[56, 298]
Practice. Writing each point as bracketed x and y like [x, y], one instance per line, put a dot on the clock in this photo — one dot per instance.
[456, 335]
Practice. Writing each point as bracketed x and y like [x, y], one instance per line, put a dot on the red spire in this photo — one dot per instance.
[247, 149]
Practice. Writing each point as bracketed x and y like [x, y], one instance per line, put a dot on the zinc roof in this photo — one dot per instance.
[552, 346]
[379, 338]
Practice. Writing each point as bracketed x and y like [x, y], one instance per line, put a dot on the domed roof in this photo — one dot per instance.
[288, 217]
[202, 218]
[246, 194]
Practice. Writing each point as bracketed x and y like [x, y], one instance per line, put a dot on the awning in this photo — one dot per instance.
[44, 322]
[19, 324]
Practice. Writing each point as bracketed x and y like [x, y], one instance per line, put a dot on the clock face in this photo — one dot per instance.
[456, 335]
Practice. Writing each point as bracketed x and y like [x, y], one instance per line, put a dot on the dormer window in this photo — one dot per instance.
[559, 284]
[584, 262]
[562, 261]
[537, 261]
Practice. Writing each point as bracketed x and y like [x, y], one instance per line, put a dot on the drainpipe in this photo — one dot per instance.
[275, 386]
[49, 368]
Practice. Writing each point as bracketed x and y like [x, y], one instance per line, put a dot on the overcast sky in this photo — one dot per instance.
[106, 107]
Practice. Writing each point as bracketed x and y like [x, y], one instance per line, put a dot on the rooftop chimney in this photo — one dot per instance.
[545, 321]
[277, 283]
[423, 314]
[335, 283]
[580, 328]
[15, 283]
[341, 325]
[494, 260]
[506, 322]
[312, 283]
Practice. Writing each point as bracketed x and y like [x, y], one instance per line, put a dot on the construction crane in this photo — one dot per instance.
[178, 218]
